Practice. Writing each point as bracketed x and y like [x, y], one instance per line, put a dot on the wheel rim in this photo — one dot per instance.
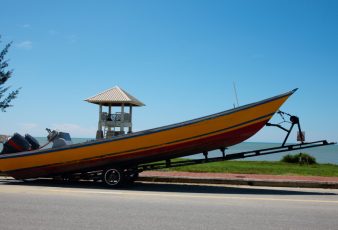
[112, 177]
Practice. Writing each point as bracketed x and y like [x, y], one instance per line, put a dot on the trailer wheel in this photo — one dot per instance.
[112, 177]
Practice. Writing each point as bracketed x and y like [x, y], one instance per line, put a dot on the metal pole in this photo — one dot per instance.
[99, 132]
[109, 118]
[235, 89]
[100, 118]
[131, 118]
[122, 119]
[287, 135]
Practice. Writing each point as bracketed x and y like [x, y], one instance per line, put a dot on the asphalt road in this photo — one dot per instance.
[49, 205]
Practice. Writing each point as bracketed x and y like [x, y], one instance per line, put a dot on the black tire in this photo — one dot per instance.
[113, 177]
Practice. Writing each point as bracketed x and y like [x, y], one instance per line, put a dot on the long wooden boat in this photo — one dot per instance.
[207, 133]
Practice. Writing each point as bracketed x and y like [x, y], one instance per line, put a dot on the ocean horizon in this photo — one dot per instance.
[324, 155]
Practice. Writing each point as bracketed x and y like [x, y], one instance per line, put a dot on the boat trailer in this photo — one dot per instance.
[114, 176]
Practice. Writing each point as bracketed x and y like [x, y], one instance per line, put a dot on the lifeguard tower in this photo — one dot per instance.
[113, 124]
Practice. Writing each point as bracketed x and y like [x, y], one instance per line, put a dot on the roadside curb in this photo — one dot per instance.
[248, 182]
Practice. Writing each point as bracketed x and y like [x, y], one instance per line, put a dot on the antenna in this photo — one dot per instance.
[235, 90]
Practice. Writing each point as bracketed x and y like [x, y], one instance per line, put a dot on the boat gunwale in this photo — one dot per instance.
[148, 131]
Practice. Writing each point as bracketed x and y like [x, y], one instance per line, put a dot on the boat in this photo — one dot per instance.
[124, 152]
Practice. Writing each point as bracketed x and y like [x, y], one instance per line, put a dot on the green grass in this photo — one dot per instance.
[263, 167]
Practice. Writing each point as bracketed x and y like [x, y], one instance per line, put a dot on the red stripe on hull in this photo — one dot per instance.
[178, 150]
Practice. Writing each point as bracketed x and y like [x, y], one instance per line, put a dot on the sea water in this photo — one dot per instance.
[324, 155]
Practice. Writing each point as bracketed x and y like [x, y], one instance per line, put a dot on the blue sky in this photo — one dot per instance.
[179, 57]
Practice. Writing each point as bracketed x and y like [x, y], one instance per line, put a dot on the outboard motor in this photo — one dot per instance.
[16, 143]
[59, 139]
[32, 141]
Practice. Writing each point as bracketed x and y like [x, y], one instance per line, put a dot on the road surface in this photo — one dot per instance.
[50, 205]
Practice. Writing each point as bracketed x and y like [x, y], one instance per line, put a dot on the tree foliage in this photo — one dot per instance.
[5, 96]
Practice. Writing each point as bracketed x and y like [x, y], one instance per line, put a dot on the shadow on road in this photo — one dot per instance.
[166, 187]
[223, 189]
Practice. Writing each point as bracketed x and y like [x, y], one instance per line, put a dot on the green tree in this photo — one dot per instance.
[5, 96]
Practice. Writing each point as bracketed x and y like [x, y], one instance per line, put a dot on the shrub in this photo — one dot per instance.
[301, 158]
